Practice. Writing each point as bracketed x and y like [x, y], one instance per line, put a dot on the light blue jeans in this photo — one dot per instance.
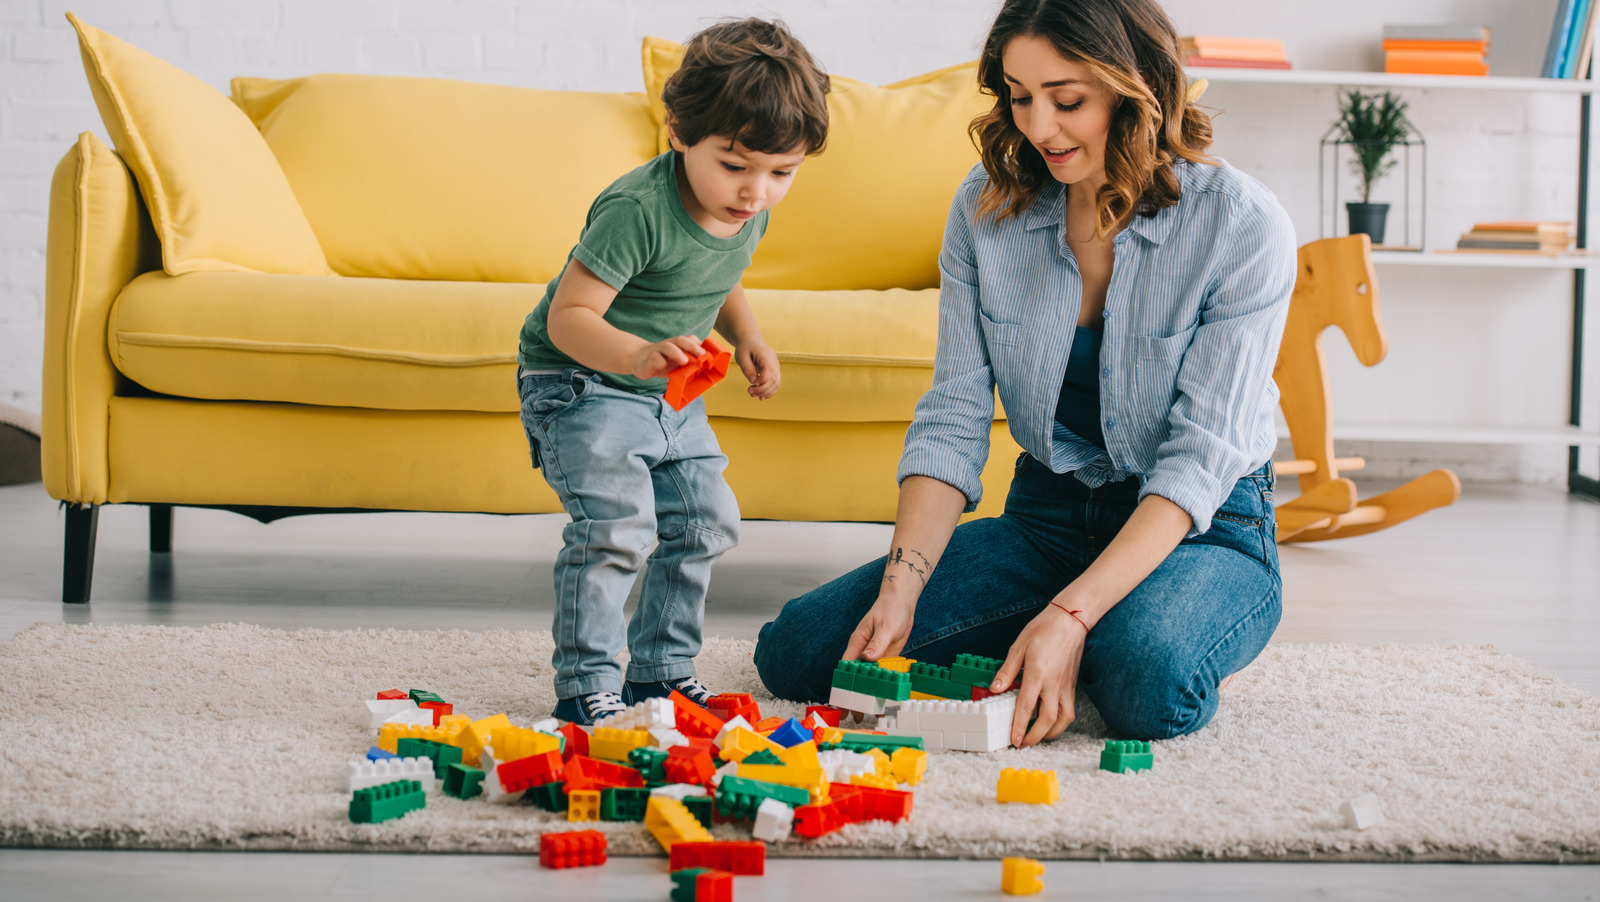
[632, 472]
[1152, 664]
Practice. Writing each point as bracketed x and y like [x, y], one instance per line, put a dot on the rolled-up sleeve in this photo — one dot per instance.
[1222, 384]
[949, 435]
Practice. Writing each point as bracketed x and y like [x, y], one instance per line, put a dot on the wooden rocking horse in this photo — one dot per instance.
[1336, 287]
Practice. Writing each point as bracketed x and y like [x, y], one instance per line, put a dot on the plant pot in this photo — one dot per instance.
[1368, 219]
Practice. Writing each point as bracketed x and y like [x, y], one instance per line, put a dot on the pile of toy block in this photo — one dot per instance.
[948, 708]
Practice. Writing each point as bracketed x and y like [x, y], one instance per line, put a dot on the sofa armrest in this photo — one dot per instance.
[100, 238]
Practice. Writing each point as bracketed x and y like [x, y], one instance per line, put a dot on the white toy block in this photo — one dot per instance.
[492, 790]
[841, 764]
[364, 774]
[666, 737]
[1362, 812]
[859, 702]
[986, 742]
[773, 821]
[737, 723]
[679, 791]
[418, 717]
[548, 725]
[731, 769]
[646, 715]
[378, 710]
[980, 726]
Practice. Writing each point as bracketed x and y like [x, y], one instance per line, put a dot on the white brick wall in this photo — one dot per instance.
[1467, 345]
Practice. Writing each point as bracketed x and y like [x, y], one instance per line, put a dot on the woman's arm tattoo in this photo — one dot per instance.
[913, 559]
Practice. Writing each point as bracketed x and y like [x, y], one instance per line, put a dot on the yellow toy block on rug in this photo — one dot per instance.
[670, 822]
[873, 780]
[801, 755]
[475, 735]
[880, 761]
[1037, 786]
[512, 743]
[390, 734]
[614, 745]
[1020, 876]
[460, 720]
[908, 765]
[783, 774]
[740, 743]
[583, 805]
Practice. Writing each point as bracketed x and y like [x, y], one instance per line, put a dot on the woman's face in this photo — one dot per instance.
[1062, 109]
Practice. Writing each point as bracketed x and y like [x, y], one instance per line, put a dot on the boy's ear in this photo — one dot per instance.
[675, 142]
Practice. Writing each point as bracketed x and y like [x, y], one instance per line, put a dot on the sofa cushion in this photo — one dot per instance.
[869, 211]
[217, 197]
[394, 344]
[428, 178]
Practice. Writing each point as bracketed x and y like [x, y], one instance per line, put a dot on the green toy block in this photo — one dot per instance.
[700, 807]
[868, 678]
[649, 762]
[738, 797]
[931, 679]
[684, 883]
[462, 781]
[761, 756]
[422, 695]
[550, 796]
[844, 675]
[623, 804]
[387, 801]
[1123, 755]
[442, 755]
[860, 742]
[975, 670]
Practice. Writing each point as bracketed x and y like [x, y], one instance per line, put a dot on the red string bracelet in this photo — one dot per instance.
[1074, 616]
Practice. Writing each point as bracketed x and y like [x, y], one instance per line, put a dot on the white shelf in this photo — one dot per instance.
[1386, 80]
[1462, 435]
[1500, 261]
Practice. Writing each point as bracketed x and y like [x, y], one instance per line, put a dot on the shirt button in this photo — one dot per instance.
[1105, 371]
[1111, 423]
[1105, 314]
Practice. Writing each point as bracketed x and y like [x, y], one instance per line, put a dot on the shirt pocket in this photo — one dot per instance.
[1164, 347]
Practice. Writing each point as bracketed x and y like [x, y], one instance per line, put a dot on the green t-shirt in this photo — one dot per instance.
[671, 275]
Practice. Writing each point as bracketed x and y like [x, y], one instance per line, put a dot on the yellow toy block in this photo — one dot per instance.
[899, 665]
[873, 780]
[925, 697]
[880, 761]
[802, 755]
[475, 735]
[783, 774]
[741, 742]
[512, 743]
[614, 745]
[1020, 876]
[908, 765]
[583, 805]
[831, 734]
[670, 822]
[1036, 786]
[390, 734]
[460, 719]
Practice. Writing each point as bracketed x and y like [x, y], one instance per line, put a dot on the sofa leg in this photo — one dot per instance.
[160, 529]
[77, 570]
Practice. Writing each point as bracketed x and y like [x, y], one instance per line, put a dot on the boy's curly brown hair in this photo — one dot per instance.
[752, 81]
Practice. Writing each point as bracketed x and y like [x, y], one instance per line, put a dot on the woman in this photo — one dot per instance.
[1125, 294]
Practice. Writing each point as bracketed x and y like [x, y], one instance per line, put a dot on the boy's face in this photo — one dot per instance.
[723, 183]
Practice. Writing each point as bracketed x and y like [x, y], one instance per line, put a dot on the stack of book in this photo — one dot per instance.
[1518, 236]
[1232, 53]
[1436, 49]
[1571, 40]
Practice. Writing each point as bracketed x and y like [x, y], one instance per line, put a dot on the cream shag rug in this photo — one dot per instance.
[235, 737]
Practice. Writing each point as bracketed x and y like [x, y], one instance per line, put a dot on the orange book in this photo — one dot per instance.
[1268, 51]
[1478, 47]
[1433, 64]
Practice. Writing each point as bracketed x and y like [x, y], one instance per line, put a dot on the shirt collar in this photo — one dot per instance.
[1049, 208]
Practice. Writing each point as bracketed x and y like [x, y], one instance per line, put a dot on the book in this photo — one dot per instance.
[1433, 56]
[1245, 48]
[1205, 62]
[1436, 33]
[1426, 64]
[1485, 245]
[1543, 226]
[1519, 237]
[1577, 65]
[1481, 48]
[1557, 45]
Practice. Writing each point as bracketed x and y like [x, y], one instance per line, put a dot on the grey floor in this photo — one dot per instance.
[1513, 566]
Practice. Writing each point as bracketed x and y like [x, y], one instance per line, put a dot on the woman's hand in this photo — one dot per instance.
[1047, 652]
[883, 632]
[759, 363]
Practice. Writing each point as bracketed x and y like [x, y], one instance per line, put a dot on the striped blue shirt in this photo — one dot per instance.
[1194, 313]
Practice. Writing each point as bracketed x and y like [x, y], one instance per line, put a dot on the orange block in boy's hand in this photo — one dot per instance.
[691, 380]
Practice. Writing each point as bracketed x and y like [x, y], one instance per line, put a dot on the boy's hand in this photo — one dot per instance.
[663, 357]
[759, 363]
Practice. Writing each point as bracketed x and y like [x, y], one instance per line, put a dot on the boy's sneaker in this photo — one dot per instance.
[584, 710]
[691, 688]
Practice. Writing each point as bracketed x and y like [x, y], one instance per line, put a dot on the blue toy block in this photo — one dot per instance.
[377, 754]
[792, 733]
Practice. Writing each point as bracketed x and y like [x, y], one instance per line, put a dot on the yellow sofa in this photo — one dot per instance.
[348, 342]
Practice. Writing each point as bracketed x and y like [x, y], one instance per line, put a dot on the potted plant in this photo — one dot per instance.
[1373, 125]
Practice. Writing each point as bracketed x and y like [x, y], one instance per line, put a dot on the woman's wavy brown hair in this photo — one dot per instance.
[1131, 47]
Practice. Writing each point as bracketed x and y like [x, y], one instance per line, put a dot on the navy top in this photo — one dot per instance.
[1078, 407]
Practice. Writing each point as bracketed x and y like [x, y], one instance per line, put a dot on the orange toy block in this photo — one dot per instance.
[691, 380]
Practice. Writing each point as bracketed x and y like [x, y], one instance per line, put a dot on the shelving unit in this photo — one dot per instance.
[1571, 435]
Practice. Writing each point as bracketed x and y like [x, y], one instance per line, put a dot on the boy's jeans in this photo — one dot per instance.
[1151, 666]
[631, 472]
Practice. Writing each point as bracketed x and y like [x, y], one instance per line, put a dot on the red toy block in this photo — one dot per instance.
[843, 807]
[577, 741]
[525, 773]
[712, 886]
[575, 849]
[829, 714]
[688, 764]
[979, 693]
[882, 804]
[729, 705]
[393, 694]
[768, 725]
[691, 380]
[744, 858]
[692, 720]
[439, 709]
[583, 773]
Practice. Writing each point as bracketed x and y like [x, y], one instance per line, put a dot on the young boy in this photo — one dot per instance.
[657, 266]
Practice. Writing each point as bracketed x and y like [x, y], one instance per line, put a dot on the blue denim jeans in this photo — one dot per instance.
[1151, 666]
[632, 472]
